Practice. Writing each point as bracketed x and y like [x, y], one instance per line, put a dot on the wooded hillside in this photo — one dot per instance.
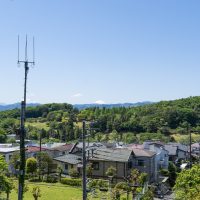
[63, 122]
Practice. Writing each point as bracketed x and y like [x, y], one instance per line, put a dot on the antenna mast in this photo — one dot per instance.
[22, 122]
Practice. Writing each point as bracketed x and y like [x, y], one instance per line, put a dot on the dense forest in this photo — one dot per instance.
[62, 122]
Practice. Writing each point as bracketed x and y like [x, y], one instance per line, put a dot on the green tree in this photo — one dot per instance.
[136, 180]
[45, 163]
[3, 136]
[5, 183]
[31, 166]
[187, 186]
[148, 195]
[172, 173]
[3, 165]
[59, 171]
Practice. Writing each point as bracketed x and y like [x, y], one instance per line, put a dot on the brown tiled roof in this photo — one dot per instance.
[143, 153]
[35, 149]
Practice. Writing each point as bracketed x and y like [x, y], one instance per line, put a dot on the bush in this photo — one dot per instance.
[73, 173]
[71, 182]
[102, 183]
[52, 179]
[164, 172]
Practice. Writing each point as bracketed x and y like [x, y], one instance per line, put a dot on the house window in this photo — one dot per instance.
[141, 163]
[66, 166]
[72, 166]
[95, 165]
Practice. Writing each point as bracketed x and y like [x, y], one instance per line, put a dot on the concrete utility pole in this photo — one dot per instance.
[190, 147]
[22, 124]
[84, 163]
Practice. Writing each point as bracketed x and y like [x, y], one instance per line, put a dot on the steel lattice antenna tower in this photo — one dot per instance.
[22, 121]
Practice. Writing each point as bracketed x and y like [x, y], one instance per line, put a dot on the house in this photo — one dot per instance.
[123, 159]
[159, 153]
[68, 161]
[7, 150]
[162, 158]
[103, 158]
[32, 151]
[195, 148]
[60, 150]
[70, 155]
[144, 161]
[177, 151]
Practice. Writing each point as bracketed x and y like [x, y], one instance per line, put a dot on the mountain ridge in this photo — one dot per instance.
[4, 107]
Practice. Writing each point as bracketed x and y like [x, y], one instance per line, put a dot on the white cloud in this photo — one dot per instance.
[99, 102]
[77, 95]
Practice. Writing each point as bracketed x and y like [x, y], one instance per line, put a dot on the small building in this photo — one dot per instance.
[195, 147]
[68, 161]
[32, 151]
[60, 150]
[103, 158]
[7, 150]
[177, 151]
[144, 161]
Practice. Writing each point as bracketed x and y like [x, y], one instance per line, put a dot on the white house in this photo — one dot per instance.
[7, 151]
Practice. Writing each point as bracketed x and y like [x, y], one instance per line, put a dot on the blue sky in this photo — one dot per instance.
[101, 50]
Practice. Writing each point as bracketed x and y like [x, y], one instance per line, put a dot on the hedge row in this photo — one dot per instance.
[71, 181]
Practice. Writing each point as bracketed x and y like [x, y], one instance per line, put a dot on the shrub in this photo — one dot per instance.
[73, 173]
[71, 181]
[52, 179]
[102, 183]
[164, 172]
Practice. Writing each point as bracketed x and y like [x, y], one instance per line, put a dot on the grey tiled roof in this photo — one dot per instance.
[171, 149]
[105, 154]
[69, 158]
[181, 147]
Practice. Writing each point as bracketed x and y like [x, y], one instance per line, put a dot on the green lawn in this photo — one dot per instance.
[51, 192]
[59, 191]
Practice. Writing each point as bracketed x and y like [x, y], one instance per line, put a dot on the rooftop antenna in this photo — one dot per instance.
[22, 121]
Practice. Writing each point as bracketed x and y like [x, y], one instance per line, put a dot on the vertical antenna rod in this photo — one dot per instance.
[22, 126]
[33, 50]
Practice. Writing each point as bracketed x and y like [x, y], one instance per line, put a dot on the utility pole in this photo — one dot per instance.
[190, 147]
[22, 124]
[84, 163]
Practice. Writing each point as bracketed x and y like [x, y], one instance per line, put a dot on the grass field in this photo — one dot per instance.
[57, 191]
[39, 125]
[185, 138]
[51, 192]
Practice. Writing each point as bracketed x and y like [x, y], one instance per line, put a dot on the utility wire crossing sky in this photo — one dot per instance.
[101, 51]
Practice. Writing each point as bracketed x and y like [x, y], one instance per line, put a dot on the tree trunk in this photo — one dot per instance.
[7, 195]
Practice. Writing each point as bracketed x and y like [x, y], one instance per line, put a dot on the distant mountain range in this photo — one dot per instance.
[78, 106]
[83, 106]
[15, 105]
